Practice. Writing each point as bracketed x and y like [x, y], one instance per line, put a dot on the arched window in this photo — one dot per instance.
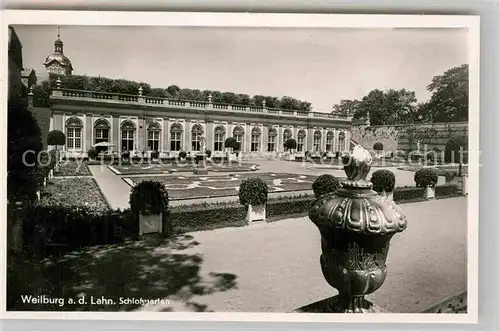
[329, 141]
[238, 134]
[341, 142]
[255, 146]
[128, 136]
[74, 134]
[287, 134]
[154, 131]
[219, 136]
[175, 137]
[301, 137]
[271, 140]
[317, 141]
[101, 131]
[196, 133]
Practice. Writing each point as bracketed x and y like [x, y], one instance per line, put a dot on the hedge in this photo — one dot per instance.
[447, 190]
[190, 218]
[76, 227]
[67, 228]
[408, 193]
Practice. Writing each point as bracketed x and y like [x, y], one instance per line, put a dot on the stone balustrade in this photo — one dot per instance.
[168, 102]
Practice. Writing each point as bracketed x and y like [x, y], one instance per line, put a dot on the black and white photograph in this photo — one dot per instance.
[219, 167]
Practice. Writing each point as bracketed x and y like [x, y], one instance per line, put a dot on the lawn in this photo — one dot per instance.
[74, 192]
[191, 187]
[147, 168]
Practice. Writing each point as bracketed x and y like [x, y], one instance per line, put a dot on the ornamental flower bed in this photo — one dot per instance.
[73, 168]
[75, 192]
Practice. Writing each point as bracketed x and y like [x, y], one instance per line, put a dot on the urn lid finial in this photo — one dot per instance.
[357, 165]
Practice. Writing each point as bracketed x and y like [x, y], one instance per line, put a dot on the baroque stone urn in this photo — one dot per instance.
[356, 226]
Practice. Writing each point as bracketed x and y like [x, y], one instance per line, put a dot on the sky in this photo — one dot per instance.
[321, 66]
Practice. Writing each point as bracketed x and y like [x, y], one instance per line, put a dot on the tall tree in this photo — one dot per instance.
[346, 107]
[450, 95]
[23, 136]
[387, 107]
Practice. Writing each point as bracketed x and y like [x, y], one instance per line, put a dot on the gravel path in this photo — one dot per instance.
[277, 264]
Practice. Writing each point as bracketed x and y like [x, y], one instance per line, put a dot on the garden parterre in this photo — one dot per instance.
[152, 168]
[74, 192]
[191, 187]
[73, 168]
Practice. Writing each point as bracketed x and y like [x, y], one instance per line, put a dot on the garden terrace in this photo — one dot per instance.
[168, 103]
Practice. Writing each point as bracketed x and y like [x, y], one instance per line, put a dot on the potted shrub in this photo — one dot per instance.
[92, 153]
[232, 144]
[126, 155]
[384, 182]
[53, 163]
[155, 155]
[56, 138]
[182, 155]
[253, 195]
[427, 178]
[149, 204]
[208, 153]
[325, 184]
[290, 145]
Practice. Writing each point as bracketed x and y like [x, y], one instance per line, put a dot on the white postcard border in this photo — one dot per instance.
[36, 17]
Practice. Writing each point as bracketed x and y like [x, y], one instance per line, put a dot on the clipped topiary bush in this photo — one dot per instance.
[426, 177]
[231, 143]
[155, 154]
[383, 180]
[253, 191]
[56, 137]
[378, 146]
[456, 150]
[149, 197]
[290, 144]
[209, 153]
[325, 184]
[92, 153]
[183, 154]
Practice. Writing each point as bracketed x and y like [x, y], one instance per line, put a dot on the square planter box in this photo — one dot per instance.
[150, 223]
[256, 214]
[430, 193]
[463, 185]
[291, 157]
[232, 157]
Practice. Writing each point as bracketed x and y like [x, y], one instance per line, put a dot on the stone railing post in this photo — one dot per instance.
[356, 227]
[210, 105]
[141, 99]
[57, 91]
[30, 97]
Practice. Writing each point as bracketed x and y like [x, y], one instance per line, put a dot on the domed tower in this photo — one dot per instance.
[57, 63]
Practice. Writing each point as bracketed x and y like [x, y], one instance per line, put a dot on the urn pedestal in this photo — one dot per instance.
[356, 226]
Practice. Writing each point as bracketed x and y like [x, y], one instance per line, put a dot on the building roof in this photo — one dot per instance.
[27, 72]
[59, 58]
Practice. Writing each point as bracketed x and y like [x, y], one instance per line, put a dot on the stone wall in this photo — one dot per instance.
[367, 136]
[406, 137]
